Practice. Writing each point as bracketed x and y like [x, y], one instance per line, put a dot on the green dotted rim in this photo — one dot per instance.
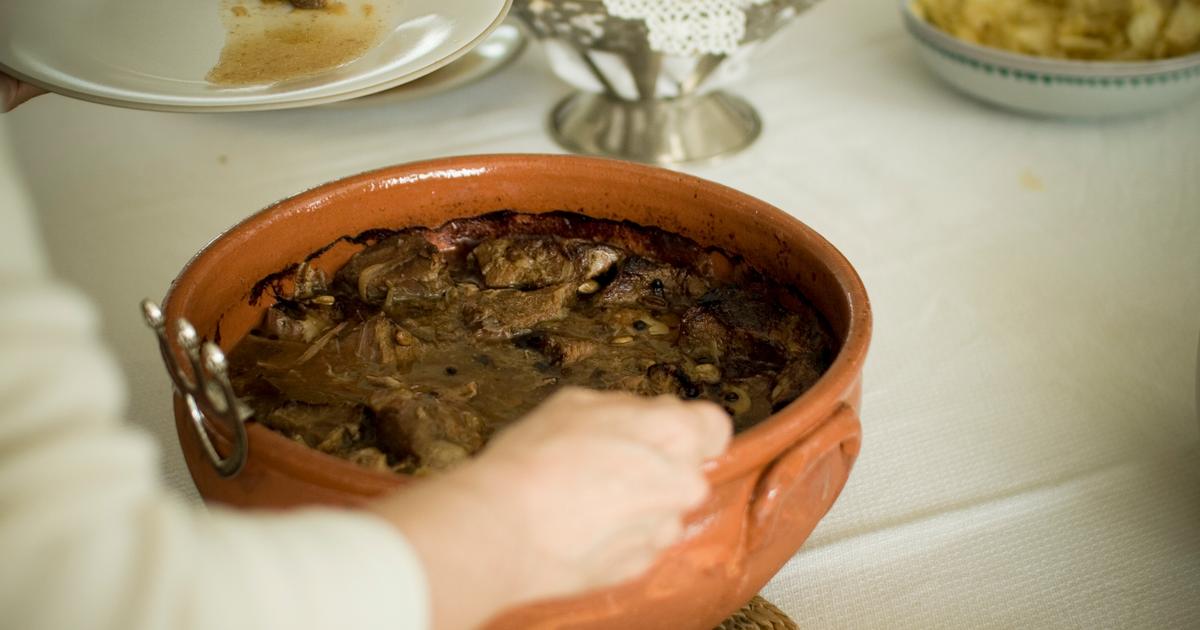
[1044, 78]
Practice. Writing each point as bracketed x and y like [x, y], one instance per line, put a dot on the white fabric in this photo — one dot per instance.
[90, 538]
[1031, 448]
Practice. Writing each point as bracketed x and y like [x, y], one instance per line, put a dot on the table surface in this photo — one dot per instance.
[1030, 447]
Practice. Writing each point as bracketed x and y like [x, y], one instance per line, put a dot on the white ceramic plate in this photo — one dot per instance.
[155, 54]
[500, 48]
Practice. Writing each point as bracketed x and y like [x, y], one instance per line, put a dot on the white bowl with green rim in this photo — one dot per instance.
[1054, 87]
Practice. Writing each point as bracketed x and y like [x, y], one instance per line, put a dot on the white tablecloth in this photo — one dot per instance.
[1031, 455]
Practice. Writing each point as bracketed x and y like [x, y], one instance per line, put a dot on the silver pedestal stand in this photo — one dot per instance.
[641, 104]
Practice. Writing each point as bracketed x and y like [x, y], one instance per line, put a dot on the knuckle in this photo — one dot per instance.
[696, 488]
[668, 533]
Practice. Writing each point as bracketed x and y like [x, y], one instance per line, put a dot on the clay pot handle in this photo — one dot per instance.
[841, 432]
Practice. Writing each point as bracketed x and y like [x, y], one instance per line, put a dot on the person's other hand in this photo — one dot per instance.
[14, 92]
[584, 492]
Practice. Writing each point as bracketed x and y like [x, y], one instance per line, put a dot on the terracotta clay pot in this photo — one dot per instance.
[770, 488]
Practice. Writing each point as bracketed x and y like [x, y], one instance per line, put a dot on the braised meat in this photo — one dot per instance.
[523, 263]
[426, 342]
[327, 427]
[402, 274]
[503, 313]
[746, 337]
[439, 431]
[642, 282]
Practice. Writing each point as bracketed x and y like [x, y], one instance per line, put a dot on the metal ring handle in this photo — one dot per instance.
[206, 391]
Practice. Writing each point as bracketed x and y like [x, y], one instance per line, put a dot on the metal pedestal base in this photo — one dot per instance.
[689, 129]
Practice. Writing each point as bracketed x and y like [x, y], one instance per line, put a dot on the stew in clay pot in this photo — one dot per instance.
[769, 489]
[428, 341]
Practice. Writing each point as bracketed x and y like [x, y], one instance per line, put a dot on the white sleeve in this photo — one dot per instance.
[89, 539]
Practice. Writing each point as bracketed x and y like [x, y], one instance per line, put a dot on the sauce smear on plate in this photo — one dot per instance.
[270, 41]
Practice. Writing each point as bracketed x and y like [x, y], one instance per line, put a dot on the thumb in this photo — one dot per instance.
[13, 92]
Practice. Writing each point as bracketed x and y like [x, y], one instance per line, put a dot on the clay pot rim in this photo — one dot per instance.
[749, 450]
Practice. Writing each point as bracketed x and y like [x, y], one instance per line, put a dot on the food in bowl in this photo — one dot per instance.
[1099, 30]
[428, 341]
[1046, 86]
[769, 489]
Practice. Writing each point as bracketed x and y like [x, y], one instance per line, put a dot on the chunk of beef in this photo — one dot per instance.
[505, 313]
[291, 322]
[308, 4]
[272, 368]
[794, 380]
[529, 262]
[343, 364]
[308, 282]
[375, 346]
[668, 378]
[328, 427]
[744, 337]
[370, 458]
[808, 337]
[400, 273]
[592, 259]
[439, 432]
[650, 284]
[379, 346]
[637, 322]
[560, 350]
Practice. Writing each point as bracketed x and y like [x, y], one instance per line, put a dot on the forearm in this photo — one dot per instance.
[476, 556]
[90, 539]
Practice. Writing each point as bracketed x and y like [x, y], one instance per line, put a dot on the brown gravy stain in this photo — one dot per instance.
[266, 41]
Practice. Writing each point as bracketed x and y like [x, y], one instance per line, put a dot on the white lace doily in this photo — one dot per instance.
[688, 27]
[601, 45]
[685, 28]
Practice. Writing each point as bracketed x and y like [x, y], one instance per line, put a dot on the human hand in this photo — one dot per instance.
[601, 481]
[14, 92]
[582, 493]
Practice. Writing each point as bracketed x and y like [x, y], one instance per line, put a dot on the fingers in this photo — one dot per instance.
[670, 531]
[713, 427]
[14, 92]
[599, 483]
[683, 487]
[627, 568]
[663, 438]
[637, 548]
[651, 481]
[688, 432]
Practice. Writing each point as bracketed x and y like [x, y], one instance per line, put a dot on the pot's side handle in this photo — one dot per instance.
[842, 433]
[205, 388]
